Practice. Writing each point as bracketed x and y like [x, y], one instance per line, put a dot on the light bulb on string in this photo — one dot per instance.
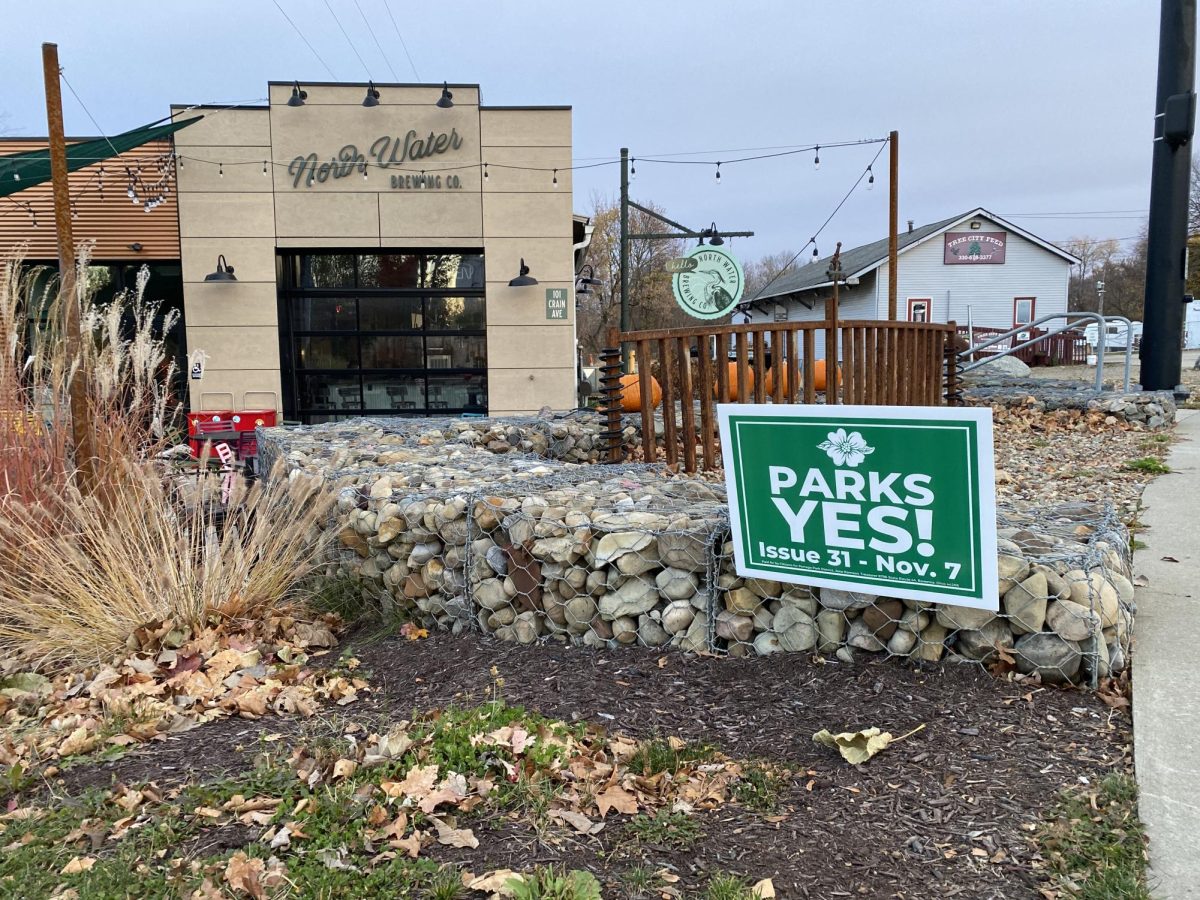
[554, 183]
[817, 157]
[816, 255]
[633, 170]
[221, 170]
[33, 216]
[870, 179]
[264, 167]
[364, 171]
[16, 176]
[718, 173]
[485, 172]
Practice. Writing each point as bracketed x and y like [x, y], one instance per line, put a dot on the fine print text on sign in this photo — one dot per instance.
[898, 501]
[556, 303]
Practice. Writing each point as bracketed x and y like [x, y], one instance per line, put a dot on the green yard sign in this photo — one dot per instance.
[556, 303]
[898, 501]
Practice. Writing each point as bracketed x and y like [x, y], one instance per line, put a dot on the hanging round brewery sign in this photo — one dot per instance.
[708, 282]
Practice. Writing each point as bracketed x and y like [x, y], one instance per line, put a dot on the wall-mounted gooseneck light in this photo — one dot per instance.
[372, 98]
[298, 96]
[447, 99]
[224, 271]
[523, 279]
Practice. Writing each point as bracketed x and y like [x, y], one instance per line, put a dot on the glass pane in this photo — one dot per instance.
[326, 353]
[390, 313]
[327, 270]
[394, 392]
[389, 270]
[324, 314]
[453, 270]
[330, 392]
[458, 392]
[456, 352]
[392, 352]
[456, 313]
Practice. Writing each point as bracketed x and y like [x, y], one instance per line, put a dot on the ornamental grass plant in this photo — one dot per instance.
[83, 565]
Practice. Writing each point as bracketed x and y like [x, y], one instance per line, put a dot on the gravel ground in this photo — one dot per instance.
[1114, 369]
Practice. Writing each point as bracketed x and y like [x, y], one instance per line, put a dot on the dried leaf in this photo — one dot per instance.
[454, 837]
[500, 883]
[244, 875]
[857, 747]
[77, 865]
[616, 797]
[763, 889]
[577, 820]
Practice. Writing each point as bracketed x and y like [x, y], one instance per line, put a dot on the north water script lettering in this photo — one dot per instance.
[385, 152]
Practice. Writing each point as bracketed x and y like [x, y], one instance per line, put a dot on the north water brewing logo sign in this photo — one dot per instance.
[882, 500]
[707, 283]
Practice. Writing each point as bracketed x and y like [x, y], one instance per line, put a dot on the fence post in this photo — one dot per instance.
[610, 389]
[953, 394]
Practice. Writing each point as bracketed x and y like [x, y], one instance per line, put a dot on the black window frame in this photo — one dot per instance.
[289, 263]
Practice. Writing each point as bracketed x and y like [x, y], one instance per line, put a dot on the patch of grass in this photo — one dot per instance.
[669, 829]
[1156, 441]
[446, 885]
[546, 883]
[656, 755]
[1095, 842]
[726, 886]
[759, 788]
[1135, 545]
[342, 596]
[1150, 464]
[1040, 442]
[640, 882]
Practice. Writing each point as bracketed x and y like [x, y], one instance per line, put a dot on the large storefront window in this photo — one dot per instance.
[379, 333]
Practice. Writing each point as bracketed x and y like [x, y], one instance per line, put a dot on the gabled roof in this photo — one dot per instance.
[861, 260]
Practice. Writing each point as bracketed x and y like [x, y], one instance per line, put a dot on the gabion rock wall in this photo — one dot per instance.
[437, 523]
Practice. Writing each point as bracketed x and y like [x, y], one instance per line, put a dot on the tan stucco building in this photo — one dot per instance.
[373, 248]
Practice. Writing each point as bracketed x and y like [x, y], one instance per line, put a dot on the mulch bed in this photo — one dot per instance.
[946, 813]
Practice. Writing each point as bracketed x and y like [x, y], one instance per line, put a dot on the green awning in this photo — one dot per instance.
[24, 170]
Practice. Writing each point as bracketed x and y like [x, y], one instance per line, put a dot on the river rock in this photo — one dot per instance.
[695, 639]
[796, 629]
[632, 598]
[1025, 604]
[902, 642]
[800, 597]
[1012, 570]
[914, 620]
[964, 617]
[1071, 621]
[1094, 591]
[681, 550]
[861, 637]
[650, 633]
[981, 645]
[614, 545]
[527, 627]
[931, 642]
[677, 616]
[734, 627]
[883, 617]
[767, 643]
[743, 601]
[1047, 654]
[764, 588]
[831, 629]
[579, 612]
[843, 600]
[490, 594]
[625, 630]
[676, 584]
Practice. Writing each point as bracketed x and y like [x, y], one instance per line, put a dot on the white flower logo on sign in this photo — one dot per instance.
[846, 449]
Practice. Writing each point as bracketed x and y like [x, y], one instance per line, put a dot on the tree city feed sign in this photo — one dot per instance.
[973, 248]
[898, 501]
[707, 283]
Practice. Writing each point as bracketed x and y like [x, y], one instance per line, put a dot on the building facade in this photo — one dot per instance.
[974, 268]
[372, 247]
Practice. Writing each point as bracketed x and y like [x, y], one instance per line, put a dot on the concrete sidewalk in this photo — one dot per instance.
[1166, 670]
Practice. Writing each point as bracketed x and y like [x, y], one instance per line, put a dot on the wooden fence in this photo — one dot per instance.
[882, 364]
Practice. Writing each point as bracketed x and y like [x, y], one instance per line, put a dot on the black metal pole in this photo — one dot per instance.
[626, 325]
[1174, 124]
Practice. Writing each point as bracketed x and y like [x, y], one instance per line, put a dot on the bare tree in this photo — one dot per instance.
[762, 271]
[651, 303]
[1123, 274]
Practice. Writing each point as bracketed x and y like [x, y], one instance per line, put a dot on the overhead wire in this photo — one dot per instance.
[375, 38]
[346, 35]
[388, 7]
[306, 41]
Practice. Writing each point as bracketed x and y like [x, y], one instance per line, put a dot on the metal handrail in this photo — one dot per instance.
[1074, 319]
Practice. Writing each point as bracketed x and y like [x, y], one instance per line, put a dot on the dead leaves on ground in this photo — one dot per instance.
[171, 681]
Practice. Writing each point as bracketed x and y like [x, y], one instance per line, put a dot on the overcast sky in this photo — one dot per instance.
[1021, 107]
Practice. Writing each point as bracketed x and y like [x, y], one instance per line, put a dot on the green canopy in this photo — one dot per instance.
[24, 170]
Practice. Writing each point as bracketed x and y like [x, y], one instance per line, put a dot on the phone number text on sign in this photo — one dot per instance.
[898, 501]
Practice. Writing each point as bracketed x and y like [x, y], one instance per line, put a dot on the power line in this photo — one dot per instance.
[303, 38]
[813, 240]
[378, 46]
[388, 7]
[348, 41]
[63, 75]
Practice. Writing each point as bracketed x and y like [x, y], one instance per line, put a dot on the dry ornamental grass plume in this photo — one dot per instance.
[80, 572]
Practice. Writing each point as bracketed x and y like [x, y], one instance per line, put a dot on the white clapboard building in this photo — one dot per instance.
[973, 267]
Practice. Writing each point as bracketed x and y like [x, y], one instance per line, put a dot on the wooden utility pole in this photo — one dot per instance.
[81, 424]
[893, 218]
[832, 314]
